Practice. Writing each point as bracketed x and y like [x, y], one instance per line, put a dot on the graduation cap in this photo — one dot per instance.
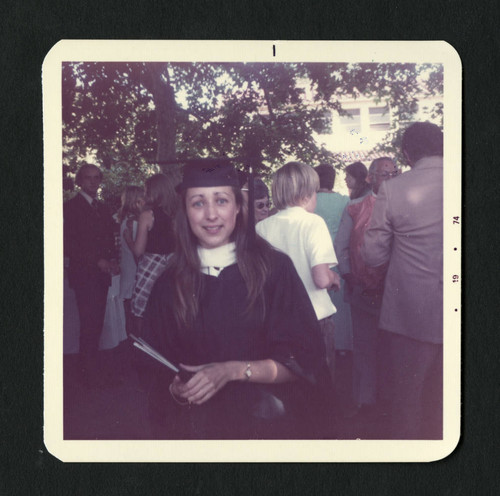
[208, 172]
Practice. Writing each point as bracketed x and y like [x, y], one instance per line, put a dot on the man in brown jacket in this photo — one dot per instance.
[406, 230]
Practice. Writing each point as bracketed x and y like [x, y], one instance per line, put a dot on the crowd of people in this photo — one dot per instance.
[254, 302]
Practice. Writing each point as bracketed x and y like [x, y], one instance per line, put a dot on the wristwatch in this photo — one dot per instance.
[248, 371]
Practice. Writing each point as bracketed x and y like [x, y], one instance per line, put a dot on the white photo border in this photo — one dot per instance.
[249, 51]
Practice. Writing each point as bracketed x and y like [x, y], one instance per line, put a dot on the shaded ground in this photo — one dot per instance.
[118, 410]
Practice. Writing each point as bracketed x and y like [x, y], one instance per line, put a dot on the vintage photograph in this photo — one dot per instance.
[250, 244]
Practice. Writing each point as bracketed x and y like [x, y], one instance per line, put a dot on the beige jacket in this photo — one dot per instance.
[406, 230]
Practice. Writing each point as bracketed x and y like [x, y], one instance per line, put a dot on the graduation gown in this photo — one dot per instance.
[287, 332]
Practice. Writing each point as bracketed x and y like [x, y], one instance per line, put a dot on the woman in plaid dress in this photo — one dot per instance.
[154, 240]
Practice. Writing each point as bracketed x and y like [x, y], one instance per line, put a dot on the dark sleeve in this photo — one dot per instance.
[79, 245]
[342, 242]
[292, 327]
[110, 230]
[85, 241]
[69, 229]
[159, 332]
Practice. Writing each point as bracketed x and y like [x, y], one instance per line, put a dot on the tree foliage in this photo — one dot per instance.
[135, 118]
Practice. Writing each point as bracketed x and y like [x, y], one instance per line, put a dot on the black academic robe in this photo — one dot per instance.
[288, 333]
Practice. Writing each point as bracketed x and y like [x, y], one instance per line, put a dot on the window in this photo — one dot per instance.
[323, 123]
[380, 118]
[351, 123]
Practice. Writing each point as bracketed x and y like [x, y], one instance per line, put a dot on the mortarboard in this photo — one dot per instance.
[208, 172]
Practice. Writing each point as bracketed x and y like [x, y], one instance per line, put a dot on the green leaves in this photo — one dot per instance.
[130, 116]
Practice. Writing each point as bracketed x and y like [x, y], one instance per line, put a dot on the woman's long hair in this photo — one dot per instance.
[160, 192]
[130, 205]
[359, 172]
[253, 262]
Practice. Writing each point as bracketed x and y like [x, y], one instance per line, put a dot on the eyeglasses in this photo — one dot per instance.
[261, 204]
[386, 174]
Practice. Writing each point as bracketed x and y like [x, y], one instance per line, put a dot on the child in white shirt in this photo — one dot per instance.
[304, 237]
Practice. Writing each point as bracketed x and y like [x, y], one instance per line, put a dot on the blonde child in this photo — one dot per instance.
[304, 237]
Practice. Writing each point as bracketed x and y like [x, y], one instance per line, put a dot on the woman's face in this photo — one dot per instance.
[140, 203]
[350, 181]
[212, 214]
[261, 209]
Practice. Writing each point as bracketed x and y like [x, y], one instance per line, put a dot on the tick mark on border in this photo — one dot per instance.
[274, 50]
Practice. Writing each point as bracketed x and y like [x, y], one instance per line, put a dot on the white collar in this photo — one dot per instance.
[295, 208]
[212, 261]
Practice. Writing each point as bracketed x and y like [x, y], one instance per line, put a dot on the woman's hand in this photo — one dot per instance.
[206, 382]
[210, 378]
[335, 281]
[114, 267]
[104, 265]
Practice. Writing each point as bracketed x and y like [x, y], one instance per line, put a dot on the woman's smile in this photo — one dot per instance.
[213, 229]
